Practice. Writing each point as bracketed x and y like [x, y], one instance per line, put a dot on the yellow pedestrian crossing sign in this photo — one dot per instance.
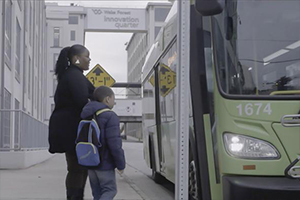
[167, 80]
[98, 77]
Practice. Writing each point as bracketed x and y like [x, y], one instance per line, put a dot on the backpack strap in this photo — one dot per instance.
[95, 120]
[95, 115]
[102, 111]
[90, 122]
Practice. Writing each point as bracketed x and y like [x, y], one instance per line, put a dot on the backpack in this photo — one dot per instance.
[88, 141]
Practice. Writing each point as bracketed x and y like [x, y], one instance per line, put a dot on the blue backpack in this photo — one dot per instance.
[88, 141]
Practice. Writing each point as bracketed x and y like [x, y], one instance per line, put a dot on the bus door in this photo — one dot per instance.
[167, 106]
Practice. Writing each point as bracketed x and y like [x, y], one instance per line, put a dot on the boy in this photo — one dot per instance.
[103, 179]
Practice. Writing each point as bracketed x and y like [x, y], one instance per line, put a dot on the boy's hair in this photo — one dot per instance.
[101, 92]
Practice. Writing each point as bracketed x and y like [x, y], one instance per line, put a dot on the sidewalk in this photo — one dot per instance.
[45, 181]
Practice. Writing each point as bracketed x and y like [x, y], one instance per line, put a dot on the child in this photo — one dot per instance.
[103, 179]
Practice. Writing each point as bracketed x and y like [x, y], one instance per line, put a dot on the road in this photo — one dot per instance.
[140, 174]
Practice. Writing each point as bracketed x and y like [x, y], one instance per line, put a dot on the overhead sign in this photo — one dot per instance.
[167, 80]
[98, 77]
[116, 19]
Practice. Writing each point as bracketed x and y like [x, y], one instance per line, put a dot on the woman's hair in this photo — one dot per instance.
[65, 58]
[101, 92]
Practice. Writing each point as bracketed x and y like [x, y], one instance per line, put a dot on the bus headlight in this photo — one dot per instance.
[241, 146]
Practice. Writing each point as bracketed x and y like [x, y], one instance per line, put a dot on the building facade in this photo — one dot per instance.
[137, 50]
[23, 83]
[2, 4]
[23, 66]
[65, 27]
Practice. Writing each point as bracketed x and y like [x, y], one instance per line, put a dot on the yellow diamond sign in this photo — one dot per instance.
[152, 81]
[98, 77]
[167, 80]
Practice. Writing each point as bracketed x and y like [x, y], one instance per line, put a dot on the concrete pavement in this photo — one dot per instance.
[45, 181]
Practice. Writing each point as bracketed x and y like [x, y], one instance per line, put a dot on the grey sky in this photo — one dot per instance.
[108, 50]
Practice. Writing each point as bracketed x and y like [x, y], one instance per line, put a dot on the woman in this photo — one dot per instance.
[72, 93]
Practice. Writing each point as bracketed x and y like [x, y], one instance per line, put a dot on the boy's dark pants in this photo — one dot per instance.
[76, 177]
[103, 184]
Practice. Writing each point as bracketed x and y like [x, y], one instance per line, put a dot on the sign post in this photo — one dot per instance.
[98, 77]
[182, 112]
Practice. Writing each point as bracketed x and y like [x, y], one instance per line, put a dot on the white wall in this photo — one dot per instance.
[23, 159]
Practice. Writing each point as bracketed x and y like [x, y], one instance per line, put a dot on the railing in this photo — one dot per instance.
[134, 130]
[20, 131]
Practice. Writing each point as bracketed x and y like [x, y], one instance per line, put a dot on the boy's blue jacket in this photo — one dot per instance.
[109, 124]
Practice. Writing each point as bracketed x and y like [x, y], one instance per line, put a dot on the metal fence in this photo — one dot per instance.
[20, 131]
[134, 130]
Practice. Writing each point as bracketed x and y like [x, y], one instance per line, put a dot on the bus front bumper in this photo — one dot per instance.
[255, 188]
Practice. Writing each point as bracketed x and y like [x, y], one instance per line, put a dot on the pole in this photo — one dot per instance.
[183, 91]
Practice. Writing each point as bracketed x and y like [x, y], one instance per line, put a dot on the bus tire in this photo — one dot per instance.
[193, 184]
[157, 177]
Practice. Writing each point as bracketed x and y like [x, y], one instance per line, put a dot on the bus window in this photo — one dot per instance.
[149, 101]
[254, 56]
[167, 84]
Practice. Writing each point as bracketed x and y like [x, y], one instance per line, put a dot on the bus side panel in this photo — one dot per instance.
[148, 117]
[168, 131]
[154, 142]
[216, 188]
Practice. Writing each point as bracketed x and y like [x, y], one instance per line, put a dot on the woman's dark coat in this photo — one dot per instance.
[73, 91]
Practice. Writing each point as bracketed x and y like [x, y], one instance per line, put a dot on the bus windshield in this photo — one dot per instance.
[257, 47]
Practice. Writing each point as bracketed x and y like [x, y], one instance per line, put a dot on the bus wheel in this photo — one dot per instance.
[193, 188]
[155, 175]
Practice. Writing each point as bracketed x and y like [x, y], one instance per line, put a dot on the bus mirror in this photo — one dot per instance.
[210, 7]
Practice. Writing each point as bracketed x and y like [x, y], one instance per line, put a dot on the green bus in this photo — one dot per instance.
[244, 113]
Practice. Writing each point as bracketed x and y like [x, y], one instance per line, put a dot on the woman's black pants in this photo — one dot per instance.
[76, 177]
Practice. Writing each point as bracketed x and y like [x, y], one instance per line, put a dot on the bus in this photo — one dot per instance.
[244, 113]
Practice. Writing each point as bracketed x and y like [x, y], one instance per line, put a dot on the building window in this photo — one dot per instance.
[17, 124]
[25, 15]
[25, 72]
[156, 31]
[29, 77]
[38, 13]
[56, 37]
[18, 49]
[20, 4]
[5, 137]
[54, 86]
[73, 19]
[30, 24]
[52, 107]
[36, 50]
[55, 57]
[8, 22]
[73, 35]
[161, 14]
[35, 91]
